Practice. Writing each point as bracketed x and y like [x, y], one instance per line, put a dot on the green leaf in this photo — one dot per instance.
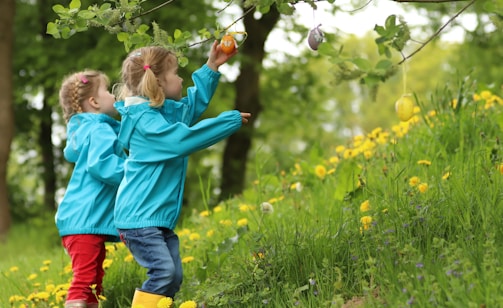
[52, 29]
[75, 4]
[142, 29]
[122, 36]
[347, 178]
[362, 64]
[59, 9]
[384, 64]
[390, 21]
[183, 61]
[177, 34]
[85, 14]
[286, 9]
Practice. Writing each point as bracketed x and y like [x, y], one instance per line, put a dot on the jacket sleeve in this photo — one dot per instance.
[200, 94]
[102, 162]
[179, 139]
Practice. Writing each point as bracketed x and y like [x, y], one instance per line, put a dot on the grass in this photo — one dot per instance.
[409, 216]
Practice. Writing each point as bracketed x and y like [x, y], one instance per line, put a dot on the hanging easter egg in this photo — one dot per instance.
[228, 43]
[315, 38]
[404, 107]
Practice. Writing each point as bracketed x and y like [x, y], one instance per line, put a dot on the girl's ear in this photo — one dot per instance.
[93, 103]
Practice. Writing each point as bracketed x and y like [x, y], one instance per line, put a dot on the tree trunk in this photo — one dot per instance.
[247, 100]
[45, 133]
[7, 8]
[46, 148]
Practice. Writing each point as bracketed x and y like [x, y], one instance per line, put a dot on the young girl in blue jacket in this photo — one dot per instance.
[85, 215]
[159, 129]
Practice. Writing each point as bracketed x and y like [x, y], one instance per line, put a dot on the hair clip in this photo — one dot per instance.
[146, 67]
[136, 54]
[83, 79]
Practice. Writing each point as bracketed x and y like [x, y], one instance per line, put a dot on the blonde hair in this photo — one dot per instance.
[77, 88]
[140, 72]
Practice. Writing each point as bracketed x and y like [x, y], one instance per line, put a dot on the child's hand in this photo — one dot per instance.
[217, 57]
[244, 117]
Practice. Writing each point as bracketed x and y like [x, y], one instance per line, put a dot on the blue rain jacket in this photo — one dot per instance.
[159, 141]
[88, 204]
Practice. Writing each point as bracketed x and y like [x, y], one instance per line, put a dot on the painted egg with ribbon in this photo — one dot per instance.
[228, 43]
[404, 107]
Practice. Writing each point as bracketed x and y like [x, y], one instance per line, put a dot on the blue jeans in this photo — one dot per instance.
[157, 250]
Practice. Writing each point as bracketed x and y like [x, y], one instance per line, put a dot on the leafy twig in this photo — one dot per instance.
[437, 32]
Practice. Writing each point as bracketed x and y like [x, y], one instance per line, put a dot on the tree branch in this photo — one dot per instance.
[438, 31]
[427, 1]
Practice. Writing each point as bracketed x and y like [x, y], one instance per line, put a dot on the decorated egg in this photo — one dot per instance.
[228, 43]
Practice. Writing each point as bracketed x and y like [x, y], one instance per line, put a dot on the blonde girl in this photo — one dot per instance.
[159, 128]
[85, 214]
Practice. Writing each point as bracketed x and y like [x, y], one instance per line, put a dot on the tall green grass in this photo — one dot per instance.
[410, 216]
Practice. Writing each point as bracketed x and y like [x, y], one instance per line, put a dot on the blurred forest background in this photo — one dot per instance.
[299, 104]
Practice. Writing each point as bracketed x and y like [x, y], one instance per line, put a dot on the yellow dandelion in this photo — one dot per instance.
[424, 162]
[226, 222]
[44, 296]
[368, 154]
[448, 174]
[194, 236]
[217, 209]
[188, 304]
[320, 171]
[14, 269]
[128, 258]
[47, 262]
[273, 200]
[454, 103]
[423, 187]
[365, 206]
[413, 181]
[68, 268]
[102, 297]
[366, 221]
[349, 153]
[210, 233]
[339, 149]
[61, 295]
[16, 298]
[187, 259]
[485, 94]
[204, 214]
[184, 232]
[44, 269]
[334, 160]
[32, 277]
[165, 302]
[110, 249]
[50, 287]
[107, 263]
[242, 222]
[244, 207]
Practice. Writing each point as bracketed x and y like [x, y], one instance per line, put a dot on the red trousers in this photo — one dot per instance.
[87, 252]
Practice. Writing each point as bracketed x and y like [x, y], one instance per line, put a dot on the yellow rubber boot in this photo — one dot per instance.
[142, 299]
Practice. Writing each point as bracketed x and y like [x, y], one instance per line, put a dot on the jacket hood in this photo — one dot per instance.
[78, 130]
[130, 113]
